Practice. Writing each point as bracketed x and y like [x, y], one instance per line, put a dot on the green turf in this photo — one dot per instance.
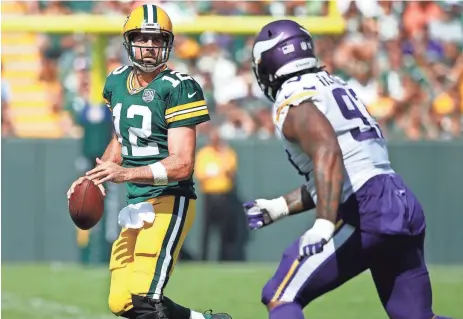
[74, 292]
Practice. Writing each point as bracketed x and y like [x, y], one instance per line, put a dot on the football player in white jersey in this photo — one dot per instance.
[366, 217]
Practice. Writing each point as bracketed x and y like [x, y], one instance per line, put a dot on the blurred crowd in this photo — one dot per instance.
[403, 58]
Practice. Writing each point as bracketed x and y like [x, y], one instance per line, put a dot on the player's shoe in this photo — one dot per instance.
[209, 315]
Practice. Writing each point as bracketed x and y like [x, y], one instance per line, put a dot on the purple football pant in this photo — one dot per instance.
[396, 263]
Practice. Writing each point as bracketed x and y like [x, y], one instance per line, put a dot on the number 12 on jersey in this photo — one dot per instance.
[351, 108]
[134, 134]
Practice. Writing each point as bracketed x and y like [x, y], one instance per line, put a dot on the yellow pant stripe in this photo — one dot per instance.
[285, 280]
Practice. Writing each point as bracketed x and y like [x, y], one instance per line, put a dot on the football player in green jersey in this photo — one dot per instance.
[155, 111]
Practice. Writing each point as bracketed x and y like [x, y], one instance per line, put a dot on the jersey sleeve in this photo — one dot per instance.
[186, 105]
[293, 94]
[111, 82]
[107, 92]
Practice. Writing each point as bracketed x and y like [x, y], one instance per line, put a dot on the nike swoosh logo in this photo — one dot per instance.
[191, 95]
[262, 46]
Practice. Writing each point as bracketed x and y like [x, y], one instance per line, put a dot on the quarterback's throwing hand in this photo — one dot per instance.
[107, 172]
[314, 240]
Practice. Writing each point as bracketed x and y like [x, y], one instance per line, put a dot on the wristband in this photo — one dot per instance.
[159, 174]
[279, 208]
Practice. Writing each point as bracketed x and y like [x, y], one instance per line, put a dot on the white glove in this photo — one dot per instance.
[313, 240]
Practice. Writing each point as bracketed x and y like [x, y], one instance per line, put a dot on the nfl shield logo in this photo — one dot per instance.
[148, 95]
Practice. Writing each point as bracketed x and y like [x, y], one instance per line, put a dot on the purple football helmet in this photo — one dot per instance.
[281, 48]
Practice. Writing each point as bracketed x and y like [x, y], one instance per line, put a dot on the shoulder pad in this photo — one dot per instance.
[185, 103]
[111, 81]
[292, 93]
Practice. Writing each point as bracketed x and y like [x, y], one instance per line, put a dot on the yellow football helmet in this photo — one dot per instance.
[148, 18]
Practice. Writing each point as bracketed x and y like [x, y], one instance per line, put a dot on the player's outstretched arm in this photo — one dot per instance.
[263, 212]
[299, 201]
[307, 126]
[113, 151]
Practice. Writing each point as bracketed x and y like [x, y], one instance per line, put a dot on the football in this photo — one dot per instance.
[86, 205]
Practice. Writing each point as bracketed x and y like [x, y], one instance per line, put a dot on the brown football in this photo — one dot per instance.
[86, 205]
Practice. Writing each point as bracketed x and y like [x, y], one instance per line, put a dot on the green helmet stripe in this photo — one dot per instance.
[145, 12]
[150, 13]
[155, 13]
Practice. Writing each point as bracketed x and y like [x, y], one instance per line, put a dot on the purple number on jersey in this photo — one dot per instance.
[351, 112]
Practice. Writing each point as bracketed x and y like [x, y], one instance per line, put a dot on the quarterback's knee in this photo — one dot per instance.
[118, 303]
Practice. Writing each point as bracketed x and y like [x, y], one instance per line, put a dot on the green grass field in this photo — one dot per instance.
[62, 291]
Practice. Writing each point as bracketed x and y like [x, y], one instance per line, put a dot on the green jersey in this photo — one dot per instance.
[142, 118]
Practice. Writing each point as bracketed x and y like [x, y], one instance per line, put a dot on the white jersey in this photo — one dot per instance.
[363, 147]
